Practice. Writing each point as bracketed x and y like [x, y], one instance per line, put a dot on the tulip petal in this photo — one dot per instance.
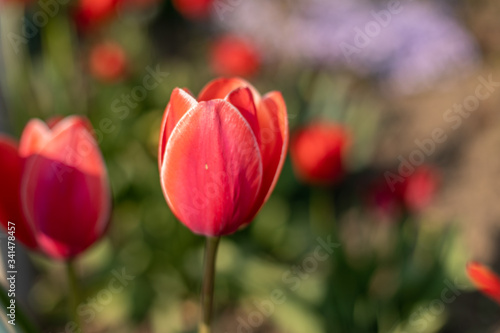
[11, 170]
[34, 137]
[273, 131]
[242, 99]
[487, 281]
[212, 171]
[65, 190]
[221, 87]
[52, 122]
[181, 101]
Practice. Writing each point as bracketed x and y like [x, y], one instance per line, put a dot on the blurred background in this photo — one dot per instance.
[402, 96]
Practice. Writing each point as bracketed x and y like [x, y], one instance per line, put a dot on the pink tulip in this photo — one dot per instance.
[59, 185]
[220, 156]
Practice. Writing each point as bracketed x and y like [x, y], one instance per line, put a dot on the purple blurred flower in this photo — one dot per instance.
[407, 45]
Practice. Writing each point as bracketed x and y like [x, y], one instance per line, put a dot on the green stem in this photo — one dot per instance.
[61, 63]
[207, 294]
[16, 64]
[322, 212]
[74, 292]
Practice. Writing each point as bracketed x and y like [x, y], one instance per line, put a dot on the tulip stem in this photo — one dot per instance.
[74, 293]
[207, 294]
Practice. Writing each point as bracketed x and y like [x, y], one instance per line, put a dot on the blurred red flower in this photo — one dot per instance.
[92, 13]
[220, 156]
[383, 202]
[487, 281]
[413, 193]
[108, 62]
[193, 9]
[418, 190]
[318, 152]
[234, 56]
[56, 188]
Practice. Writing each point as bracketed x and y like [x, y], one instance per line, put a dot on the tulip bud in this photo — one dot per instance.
[92, 13]
[108, 62]
[193, 9]
[413, 193]
[487, 281]
[235, 56]
[420, 187]
[63, 194]
[220, 156]
[318, 153]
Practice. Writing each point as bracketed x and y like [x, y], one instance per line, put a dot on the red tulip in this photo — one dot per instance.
[220, 156]
[383, 202]
[232, 55]
[108, 62]
[420, 187]
[487, 281]
[60, 193]
[193, 9]
[91, 13]
[11, 171]
[318, 151]
[413, 193]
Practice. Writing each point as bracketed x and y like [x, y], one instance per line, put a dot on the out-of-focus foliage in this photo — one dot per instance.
[384, 272]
